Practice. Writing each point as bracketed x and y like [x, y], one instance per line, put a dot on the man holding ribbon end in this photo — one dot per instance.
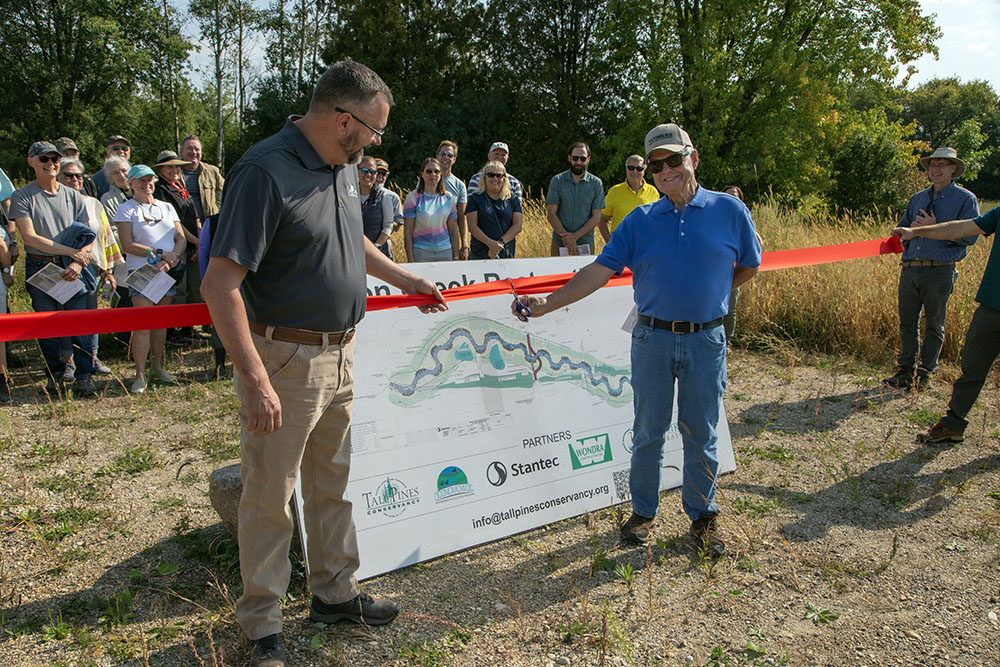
[286, 286]
[686, 251]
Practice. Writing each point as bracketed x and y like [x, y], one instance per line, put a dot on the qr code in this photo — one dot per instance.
[622, 485]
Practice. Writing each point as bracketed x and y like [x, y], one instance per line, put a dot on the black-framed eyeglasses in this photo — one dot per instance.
[367, 170]
[633, 167]
[578, 158]
[75, 175]
[494, 174]
[45, 159]
[377, 133]
[446, 154]
[673, 161]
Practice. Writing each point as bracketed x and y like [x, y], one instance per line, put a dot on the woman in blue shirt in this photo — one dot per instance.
[494, 215]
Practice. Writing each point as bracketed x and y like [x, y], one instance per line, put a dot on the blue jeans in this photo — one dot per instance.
[83, 346]
[926, 288]
[697, 362]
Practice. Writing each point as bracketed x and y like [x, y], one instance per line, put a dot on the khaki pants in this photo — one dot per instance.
[315, 387]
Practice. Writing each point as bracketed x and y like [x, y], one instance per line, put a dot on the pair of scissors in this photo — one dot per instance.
[523, 312]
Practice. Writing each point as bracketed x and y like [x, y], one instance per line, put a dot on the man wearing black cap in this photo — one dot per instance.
[928, 273]
[116, 145]
[687, 251]
[42, 210]
[67, 147]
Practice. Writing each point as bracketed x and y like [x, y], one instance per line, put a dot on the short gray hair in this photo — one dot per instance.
[637, 158]
[111, 163]
[348, 82]
[71, 162]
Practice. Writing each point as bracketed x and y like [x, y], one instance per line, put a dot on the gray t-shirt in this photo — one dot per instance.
[50, 213]
[191, 185]
[294, 222]
[455, 186]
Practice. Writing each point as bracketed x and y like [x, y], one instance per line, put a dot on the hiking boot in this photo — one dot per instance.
[707, 537]
[903, 379]
[85, 386]
[268, 652]
[69, 371]
[100, 368]
[940, 434]
[362, 608]
[636, 529]
[923, 381]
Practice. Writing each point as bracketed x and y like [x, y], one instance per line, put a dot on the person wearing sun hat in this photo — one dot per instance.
[928, 273]
[171, 188]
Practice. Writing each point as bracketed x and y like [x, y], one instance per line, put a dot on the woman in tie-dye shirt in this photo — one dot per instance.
[430, 219]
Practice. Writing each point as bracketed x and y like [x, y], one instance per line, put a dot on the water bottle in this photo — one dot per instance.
[154, 258]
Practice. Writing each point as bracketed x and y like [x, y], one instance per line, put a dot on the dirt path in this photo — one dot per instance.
[848, 544]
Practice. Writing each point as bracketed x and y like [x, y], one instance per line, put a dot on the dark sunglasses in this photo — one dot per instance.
[446, 154]
[577, 158]
[45, 159]
[493, 174]
[432, 171]
[76, 175]
[383, 172]
[367, 170]
[632, 167]
[672, 161]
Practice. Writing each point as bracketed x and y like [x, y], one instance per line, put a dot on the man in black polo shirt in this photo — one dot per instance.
[286, 286]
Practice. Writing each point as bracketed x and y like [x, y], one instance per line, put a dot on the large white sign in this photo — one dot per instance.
[469, 425]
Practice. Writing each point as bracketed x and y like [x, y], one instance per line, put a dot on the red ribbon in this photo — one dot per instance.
[28, 326]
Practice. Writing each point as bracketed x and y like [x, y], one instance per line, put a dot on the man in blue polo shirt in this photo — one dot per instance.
[982, 340]
[687, 251]
[928, 273]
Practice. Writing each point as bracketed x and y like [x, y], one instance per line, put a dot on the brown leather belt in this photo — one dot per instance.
[44, 258]
[302, 336]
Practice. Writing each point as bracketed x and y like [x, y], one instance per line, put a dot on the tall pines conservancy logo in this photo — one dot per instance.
[391, 498]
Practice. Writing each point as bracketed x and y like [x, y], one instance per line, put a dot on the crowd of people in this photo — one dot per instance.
[281, 264]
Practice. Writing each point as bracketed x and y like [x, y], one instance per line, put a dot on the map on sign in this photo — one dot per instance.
[470, 352]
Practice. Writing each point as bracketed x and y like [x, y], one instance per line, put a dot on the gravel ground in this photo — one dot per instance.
[849, 544]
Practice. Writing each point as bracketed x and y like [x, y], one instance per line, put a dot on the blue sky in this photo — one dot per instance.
[970, 45]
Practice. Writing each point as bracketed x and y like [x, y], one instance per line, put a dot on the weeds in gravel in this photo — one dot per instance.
[56, 629]
[819, 615]
[117, 610]
[132, 461]
[625, 572]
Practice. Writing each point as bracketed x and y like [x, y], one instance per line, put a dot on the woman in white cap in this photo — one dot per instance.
[150, 232]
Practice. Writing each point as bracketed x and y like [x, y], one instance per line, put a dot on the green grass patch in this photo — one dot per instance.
[132, 461]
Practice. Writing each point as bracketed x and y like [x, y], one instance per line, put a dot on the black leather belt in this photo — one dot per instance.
[675, 326]
[303, 336]
[925, 262]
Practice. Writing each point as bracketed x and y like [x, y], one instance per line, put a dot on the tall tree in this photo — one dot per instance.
[217, 24]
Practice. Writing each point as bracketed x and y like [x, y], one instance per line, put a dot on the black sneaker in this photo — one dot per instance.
[55, 388]
[903, 379]
[636, 529]
[363, 608]
[940, 434]
[707, 536]
[4, 389]
[268, 652]
[84, 386]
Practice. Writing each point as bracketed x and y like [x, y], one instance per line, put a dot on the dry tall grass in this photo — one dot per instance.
[842, 308]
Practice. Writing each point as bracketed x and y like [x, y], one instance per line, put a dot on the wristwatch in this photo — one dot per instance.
[5, 270]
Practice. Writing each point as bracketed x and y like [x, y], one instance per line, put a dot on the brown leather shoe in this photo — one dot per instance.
[636, 529]
[940, 434]
[707, 536]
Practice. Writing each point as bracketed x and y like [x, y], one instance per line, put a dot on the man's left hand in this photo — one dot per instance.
[72, 272]
[463, 252]
[424, 286]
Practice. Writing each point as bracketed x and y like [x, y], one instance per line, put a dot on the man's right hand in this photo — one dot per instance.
[569, 242]
[904, 233]
[263, 409]
[82, 256]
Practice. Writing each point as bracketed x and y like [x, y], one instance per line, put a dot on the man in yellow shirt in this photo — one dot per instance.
[624, 197]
